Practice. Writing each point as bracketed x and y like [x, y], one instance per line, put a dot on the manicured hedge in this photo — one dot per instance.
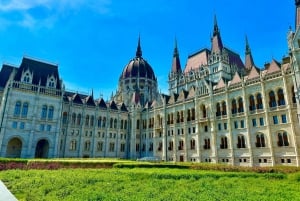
[53, 164]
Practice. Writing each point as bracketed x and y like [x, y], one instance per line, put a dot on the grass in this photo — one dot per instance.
[150, 184]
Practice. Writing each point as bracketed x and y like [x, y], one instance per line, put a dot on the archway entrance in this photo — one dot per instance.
[14, 148]
[42, 148]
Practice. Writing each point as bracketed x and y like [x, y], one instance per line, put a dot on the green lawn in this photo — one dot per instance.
[150, 184]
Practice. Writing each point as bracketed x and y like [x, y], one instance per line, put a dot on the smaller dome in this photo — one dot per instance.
[138, 67]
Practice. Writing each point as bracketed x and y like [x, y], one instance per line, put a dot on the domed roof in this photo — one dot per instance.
[138, 67]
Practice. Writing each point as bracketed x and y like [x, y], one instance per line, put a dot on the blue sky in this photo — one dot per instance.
[92, 40]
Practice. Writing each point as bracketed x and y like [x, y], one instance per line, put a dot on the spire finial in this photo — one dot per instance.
[139, 49]
[248, 50]
[175, 54]
[216, 28]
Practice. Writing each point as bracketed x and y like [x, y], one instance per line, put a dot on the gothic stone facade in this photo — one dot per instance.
[218, 110]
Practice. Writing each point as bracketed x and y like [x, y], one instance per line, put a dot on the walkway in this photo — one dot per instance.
[5, 194]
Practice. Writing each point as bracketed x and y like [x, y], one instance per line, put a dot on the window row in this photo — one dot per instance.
[89, 121]
[260, 141]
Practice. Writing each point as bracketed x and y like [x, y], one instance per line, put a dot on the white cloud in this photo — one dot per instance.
[56, 8]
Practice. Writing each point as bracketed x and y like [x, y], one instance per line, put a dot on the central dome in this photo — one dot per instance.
[138, 67]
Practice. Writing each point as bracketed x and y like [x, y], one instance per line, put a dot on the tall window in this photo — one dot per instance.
[259, 101]
[111, 122]
[204, 115]
[87, 120]
[177, 117]
[193, 144]
[224, 110]
[260, 140]
[17, 108]
[111, 147]
[24, 110]
[122, 147]
[99, 122]
[78, 119]
[170, 147]
[218, 107]
[233, 107]
[224, 144]
[87, 146]
[241, 142]
[115, 123]
[104, 122]
[44, 112]
[280, 95]
[181, 145]
[275, 120]
[50, 112]
[282, 138]
[272, 99]
[283, 118]
[73, 145]
[92, 120]
[193, 114]
[99, 146]
[251, 103]
[73, 119]
[241, 106]
[65, 118]
[206, 143]
[293, 95]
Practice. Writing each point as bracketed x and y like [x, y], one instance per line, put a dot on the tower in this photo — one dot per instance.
[248, 57]
[175, 70]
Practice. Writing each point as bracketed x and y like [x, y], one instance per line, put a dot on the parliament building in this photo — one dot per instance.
[220, 108]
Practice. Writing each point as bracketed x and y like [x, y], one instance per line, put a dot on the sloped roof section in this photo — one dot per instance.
[90, 101]
[123, 108]
[236, 79]
[182, 95]
[221, 84]
[113, 105]
[253, 73]
[102, 104]
[196, 60]
[77, 99]
[274, 66]
[5, 74]
[173, 98]
[41, 71]
[192, 92]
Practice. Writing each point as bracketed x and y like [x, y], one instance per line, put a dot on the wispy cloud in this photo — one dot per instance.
[43, 13]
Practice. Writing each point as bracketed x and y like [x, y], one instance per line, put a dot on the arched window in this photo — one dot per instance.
[172, 118]
[204, 115]
[44, 112]
[282, 138]
[87, 120]
[206, 143]
[92, 120]
[241, 142]
[251, 103]
[218, 107]
[87, 145]
[280, 95]
[260, 140]
[65, 118]
[17, 108]
[193, 114]
[111, 122]
[73, 119]
[50, 112]
[24, 109]
[224, 110]
[178, 117]
[224, 144]
[233, 107]
[122, 122]
[115, 124]
[78, 119]
[188, 115]
[181, 116]
[104, 122]
[293, 95]
[99, 122]
[272, 99]
[125, 124]
[241, 106]
[193, 144]
[170, 147]
[259, 102]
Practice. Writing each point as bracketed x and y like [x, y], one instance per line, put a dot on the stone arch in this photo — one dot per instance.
[42, 149]
[14, 148]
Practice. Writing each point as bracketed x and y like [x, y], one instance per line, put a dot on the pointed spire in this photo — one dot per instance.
[139, 49]
[176, 67]
[216, 28]
[217, 44]
[248, 58]
[92, 93]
